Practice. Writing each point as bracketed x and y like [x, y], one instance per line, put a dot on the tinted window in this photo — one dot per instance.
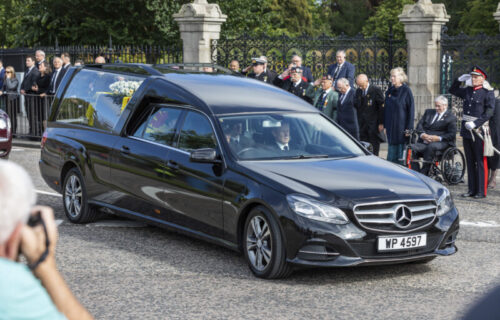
[97, 98]
[286, 136]
[159, 126]
[196, 133]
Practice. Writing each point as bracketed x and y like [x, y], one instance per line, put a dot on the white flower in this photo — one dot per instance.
[124, 88]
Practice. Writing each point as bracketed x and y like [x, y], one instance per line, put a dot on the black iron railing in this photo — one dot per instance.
[374, 56]
[459, 53]
[27, 112]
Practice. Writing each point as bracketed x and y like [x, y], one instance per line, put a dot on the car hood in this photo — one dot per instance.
[358, 179]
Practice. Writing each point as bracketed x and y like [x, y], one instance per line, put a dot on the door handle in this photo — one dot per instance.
[172, 164]
[125, 150]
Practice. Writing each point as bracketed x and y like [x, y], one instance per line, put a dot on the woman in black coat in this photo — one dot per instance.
[399, 114]
[494, 162]
[41, 107]
[9, 93]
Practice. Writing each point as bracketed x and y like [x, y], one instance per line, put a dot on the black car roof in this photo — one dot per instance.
[222, 93]
[225, 94]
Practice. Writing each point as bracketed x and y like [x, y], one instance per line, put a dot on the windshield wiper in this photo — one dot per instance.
[308, 156]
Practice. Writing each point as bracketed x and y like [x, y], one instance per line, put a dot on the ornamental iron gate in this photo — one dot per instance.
[373, 55]
[459, 53]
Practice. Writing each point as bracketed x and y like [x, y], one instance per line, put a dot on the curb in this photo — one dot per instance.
[25, 143]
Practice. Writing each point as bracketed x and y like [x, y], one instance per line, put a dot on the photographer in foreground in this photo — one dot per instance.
[22, 295]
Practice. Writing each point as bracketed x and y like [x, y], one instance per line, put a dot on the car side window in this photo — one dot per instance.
[159, 126]
[96, 98]
[196, 132]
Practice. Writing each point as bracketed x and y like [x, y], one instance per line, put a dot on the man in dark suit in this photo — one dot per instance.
[31, 75]
[39, 57]
[2, 74]
[282, 140]
[437, 131]
[234, 135]
[292, 81]
[66, 58]
[260, 72]
[346, 113]
[369, 103]
[342, 69]
[57, 75]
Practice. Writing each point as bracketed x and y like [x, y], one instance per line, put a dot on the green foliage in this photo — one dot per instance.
[250, 17]
[455, 9]
[345, 16]
[385, 15]
[479, 17]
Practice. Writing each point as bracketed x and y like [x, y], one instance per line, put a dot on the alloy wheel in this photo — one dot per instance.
[73, 196]
[259, 243]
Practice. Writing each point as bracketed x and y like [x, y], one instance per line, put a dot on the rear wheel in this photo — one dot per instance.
[75, 202]
[263, 245]
[453, 166]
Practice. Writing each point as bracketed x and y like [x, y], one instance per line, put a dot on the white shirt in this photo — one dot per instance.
[365, 92]
[282, 146]
[297, 83]
[345, 95]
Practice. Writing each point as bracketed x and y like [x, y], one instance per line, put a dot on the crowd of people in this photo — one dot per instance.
[40, 80]
[368, 114]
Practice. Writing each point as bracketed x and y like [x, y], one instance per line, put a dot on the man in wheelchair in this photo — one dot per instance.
[436, 131]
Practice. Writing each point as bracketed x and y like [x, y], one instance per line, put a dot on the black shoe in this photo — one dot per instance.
[479, 196]
[468, 194]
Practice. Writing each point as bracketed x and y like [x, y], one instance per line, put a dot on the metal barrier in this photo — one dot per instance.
[28, 113]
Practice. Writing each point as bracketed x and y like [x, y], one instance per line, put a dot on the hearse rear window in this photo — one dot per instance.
[96, 98]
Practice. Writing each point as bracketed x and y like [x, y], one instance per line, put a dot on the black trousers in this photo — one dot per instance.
[427, 151]
[477, 167]
[368, 133]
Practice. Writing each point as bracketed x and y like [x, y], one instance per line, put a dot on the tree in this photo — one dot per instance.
[456, 9]
[479, 17]
[386, 14]
[346, 16]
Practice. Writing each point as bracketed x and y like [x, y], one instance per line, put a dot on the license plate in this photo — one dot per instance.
[402, 242]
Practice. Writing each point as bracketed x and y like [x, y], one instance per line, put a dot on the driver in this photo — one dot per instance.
[437, 130]
[282, 138]
[234, 135]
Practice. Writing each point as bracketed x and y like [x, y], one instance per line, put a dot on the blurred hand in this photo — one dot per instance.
[33, 238]
[22, 91]
[34, 88]
[43, 94]
[380, 127]
[317, 82]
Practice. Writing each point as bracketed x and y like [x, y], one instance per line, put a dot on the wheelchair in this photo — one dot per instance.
[448, 165]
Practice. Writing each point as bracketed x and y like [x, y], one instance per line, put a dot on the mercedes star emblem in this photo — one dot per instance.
[402, 216]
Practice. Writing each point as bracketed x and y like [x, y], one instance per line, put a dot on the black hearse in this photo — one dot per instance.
[240, 163]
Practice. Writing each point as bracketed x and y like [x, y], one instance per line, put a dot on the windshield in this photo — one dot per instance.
[286, 136]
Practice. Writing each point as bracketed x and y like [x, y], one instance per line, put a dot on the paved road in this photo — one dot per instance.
[123, 270]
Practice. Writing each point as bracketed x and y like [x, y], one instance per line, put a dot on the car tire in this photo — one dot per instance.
[263, 245]
[75, 203]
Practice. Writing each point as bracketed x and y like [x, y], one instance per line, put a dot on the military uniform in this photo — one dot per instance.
[478, 107]
[297, 89]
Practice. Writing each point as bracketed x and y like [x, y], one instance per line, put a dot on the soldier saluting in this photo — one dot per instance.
[478, 107]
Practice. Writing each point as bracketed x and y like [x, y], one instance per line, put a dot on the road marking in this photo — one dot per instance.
[49, 193]
[17, 149]
[481, 224]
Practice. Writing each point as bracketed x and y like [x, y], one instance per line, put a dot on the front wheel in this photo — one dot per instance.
[75, 203]
[263, 245]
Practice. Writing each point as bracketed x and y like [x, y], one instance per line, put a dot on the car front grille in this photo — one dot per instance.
[396, 216]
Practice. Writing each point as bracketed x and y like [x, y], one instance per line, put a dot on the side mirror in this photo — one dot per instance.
[205, 155]
[367, 146]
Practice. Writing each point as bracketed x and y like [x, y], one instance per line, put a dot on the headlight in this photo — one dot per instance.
[316, 210]
[445, 203]
[3, 124]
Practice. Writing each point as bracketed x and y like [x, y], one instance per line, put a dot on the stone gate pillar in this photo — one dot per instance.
[423, 22]
[496, 15]
[199, 23]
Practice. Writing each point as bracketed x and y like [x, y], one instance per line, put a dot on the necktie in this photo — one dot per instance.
[53, 81]
[436, 118]
[342, 97]
[337, 72]
[321, 102]
[285, 148]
